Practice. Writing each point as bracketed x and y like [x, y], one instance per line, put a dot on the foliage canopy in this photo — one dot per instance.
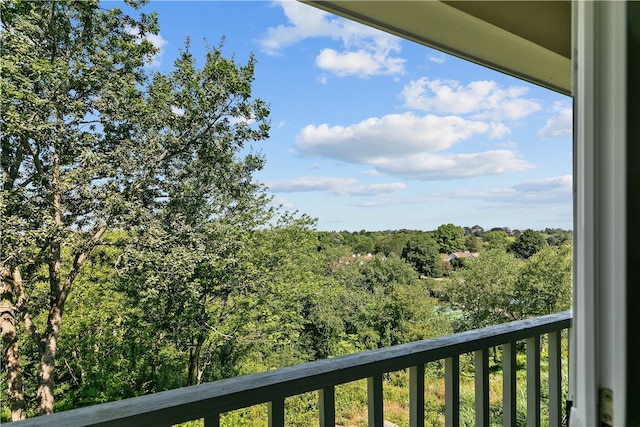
[91, 144]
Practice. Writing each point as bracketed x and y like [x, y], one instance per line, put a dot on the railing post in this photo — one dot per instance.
[374, 397]
[509, 384]
[482, 387]
[327, 406]
[555, 379]
[276, 413]
[212, 420]
[416, 396]
[452, 391]
[533, 381]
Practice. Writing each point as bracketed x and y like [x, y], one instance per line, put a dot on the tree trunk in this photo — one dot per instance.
[194, 361]
[48, 347]
[10, 353]
[206, 361]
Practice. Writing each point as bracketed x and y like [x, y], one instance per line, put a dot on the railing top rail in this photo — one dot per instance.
[179, 405]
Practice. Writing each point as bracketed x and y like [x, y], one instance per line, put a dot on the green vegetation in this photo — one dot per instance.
[139, 254]
[281, 295]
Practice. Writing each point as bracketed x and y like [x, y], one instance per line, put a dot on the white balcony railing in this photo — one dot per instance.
[209, 400]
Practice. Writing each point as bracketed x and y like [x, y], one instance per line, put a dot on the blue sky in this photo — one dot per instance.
[373, 132]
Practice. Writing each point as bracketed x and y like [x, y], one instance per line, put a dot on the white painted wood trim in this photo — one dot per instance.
[599, 342]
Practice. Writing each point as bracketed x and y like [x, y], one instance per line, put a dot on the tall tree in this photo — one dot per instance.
[497, 240]
[450, 238]
[184, 264]
[527, 244]
[484, 289]
[422, 253]
[88, 145]
[69, 81]
[544, 284]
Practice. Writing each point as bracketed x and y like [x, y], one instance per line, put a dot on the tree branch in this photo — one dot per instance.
[36, 161]
[79, 259]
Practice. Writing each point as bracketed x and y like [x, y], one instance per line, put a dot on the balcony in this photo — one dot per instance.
[210, 400]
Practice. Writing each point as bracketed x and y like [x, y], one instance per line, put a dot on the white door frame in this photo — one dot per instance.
[598, 356]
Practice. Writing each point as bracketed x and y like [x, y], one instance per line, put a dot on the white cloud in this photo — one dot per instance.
[323, 79]
[483, 99]
[560, 125]
[557, 183]
[365, 51]
[394, 135]
[370, 190]
[371, 172]
[305, 22]
[498, 130]
[337, 186]
[310, 183]
[426, 166]
[410, 146]
[438, 59]
[358, 63]
[545, 191]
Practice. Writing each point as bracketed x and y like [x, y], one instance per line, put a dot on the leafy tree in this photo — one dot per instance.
[89, 145]
[422, 253]
[557, 236]
[184, 261]
[402, 309]
[497, 240]
[411, 315]
[292, 293]
[100, 348]
[362, 244]
[545, 282]
[383, 271]
[484, 289]
[478, 231]
[450, 238]
[473, 243]
[385, 304]
[70, 82]
[329, 239]
[527, 244]
[391, 243]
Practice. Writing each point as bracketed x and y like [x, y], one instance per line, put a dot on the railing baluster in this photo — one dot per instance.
[555, 379]
[482, 387]
[509, 384]
[416, 396]
[533, 381]
[374, 396]
[452, 391]
[276, 413]
[327, 406]
[212, 420]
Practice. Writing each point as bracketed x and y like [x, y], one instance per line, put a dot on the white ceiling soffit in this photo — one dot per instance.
[527, 39]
